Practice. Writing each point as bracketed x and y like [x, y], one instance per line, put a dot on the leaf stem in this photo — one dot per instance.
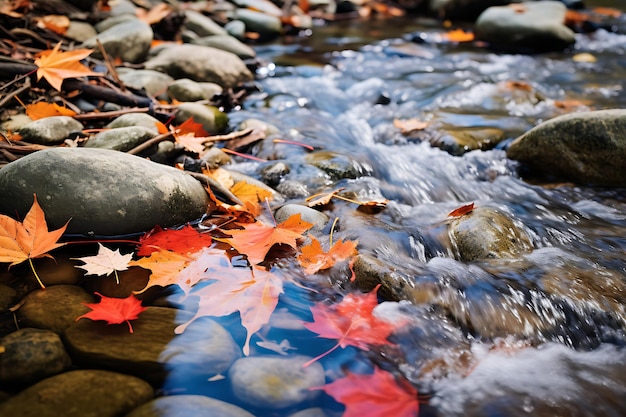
[332, 229]
[30, 261]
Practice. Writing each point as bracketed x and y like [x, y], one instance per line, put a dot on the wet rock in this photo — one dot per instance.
[237, 29]
[462, 140]
[201, 63]
[50, 130]
[267, 26]
[309, 412]
[135, 119]
[115, 193]
[215, 158]
[227, 43]
[292, 189]
[30, 355]
[188, 405]
[79, 31]
[307, 214]
[337, 166]
[267, 128]
[54, 308]
[202, 25]
[153, 351]
[533, 26]
[487, 233]
[121, 139]
[129, 41]
[188, 90]
[85, 393]
[587, 147]
[275, 381]
[154, 83]
[274, 172]
[210, 117]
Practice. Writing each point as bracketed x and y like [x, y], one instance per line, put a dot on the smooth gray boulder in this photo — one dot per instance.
[188, 405]
[153, 352]
[84, 393]
[227, 43]
[185, 90]
[121, 139]
[201, 63]
[135, 119]
[202, 25]
[50, 130]
[103, 192]
[535, 26]
[129, 41]
[586, 147]
[154, 83]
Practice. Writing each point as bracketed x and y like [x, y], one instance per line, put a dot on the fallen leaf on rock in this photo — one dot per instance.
[41, 110]
[461, 211]
[154, 15]
[351, 322]
[105, 262]
[29, 239]
[190, 142]
[377, 394]
[252, 292]
[54, 22]
[114, 310]
[184, 241]
[55, 65]
[256, 239]
[191, 126]
[313, 258]
[165, 266]
[251, 195]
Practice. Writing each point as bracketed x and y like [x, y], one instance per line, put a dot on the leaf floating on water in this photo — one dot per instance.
[378, 394]
[313, 258]
[183, 241]
[115, 310]
[461, 211]
[322, 199]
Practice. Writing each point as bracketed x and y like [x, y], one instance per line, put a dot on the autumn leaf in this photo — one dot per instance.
[193, 127]
[377, 394]
[254, 293]
[55, 65]
[114, 310]
[322, 199]
[607, 11]
[155, 14]
[190, 142]
[313, 258]
[105, 262]
[459, 35]
[42, 110]
[407, 126]
[351, 322]
[183, 241]
[256, 239]
[54, 22]
[251, 195]
[29, 239]
[461, 211]
[183, 270]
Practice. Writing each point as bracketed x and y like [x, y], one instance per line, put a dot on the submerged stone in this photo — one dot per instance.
[188, 405]
[103, 192]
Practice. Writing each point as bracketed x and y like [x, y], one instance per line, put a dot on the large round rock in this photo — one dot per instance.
[103, 192]
[587, 147]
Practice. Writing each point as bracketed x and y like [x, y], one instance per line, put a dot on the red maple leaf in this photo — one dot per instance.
[461, 211]
[351, 322]
[378, 394]
[183, 241]
[114, 310]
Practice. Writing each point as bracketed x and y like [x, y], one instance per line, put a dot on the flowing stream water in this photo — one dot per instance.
[538, 334]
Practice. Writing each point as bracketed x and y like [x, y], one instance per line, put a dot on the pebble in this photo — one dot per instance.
[130, 41]
[121, 139]
[188, 405]
[50, 130]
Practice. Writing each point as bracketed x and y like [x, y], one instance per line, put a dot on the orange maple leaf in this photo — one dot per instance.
[254, 293]
[29, 239]
[461, 211]
[183, 270]
[251, 195]
[190, 142]
[313, 258]
[55, 65]
[42, 110]
[459, 35]
[256, 239]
